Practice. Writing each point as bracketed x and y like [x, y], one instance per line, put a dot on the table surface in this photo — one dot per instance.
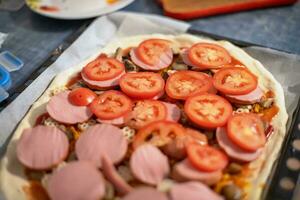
[33, 37]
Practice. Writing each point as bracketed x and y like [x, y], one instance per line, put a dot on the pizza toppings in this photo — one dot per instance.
[196, 129]
[113, 176]
[183, 84]
[145, 193]
[247, 131]
[235, 81]
[207, 56]
[158, 133]
[185, 171]
[142, 85]
[146, 111]
[42, 147]
[103, 69]
[111, 105]
[208, 110]
[77, 180]
[101, 140]
[193, 190]
[81, 96]
[206, 158]
[149, 165]
[233, 150]
[71, 114]
[153, 54]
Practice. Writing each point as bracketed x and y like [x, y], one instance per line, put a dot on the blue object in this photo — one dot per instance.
[5, 80]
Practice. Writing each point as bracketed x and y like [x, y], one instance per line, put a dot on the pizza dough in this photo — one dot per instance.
[12, 175]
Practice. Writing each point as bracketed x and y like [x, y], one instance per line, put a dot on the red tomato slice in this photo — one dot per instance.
[158, 133]
[235, 81]
[183, 84]
[142, 85]
[206, 158]
[145, 112]
[247, 131]
[81, 96]
[150, 51]
[110, 105]
[207, 55]
[208, 110]
[102, 69]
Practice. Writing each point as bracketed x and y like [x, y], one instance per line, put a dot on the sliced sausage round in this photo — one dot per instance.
[184, 171]
[165, 60]
[117, 121]
[186, 60]
[233, 150]
[76, 181]
[99, 140]
[61, 109]
[42, 147]
[250, 98]
[193, 191]
[149, 165]
[173, 112]
[112, 176]
[145, 193]
[102, 84]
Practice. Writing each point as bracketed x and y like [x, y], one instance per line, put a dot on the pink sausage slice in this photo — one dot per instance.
[165, 60]
[145, 193]
[173, 112]
[149, 165]
[76, 181]
[102, 84]
[62, 110]
[250, 98]
[184, 171]
[42, 147]
[117, 121]
[233, 150]
[100, 140]
[186, 59]
[112, 176]
[193, 191]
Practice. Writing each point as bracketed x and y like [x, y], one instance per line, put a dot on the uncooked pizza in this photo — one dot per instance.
[150, 117]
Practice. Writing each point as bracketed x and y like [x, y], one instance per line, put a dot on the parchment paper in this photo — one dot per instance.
[285, 67]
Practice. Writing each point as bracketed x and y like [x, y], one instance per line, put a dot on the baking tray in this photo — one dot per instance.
[283, 184]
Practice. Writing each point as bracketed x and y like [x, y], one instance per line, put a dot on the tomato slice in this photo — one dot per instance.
[158, 133]
[81, 96]
[206, 158]
[110, 105]
[235, 81]
[145, 112]
[142, 85]
[208, 110]
[103, 68]
[183, 84]
[247, 131]
[150, 51]
[207, 55]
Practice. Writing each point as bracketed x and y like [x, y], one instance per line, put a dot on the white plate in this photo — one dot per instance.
[75, 9]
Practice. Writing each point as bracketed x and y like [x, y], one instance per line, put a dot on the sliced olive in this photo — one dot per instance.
[232, 192]
[234, 168]
[118, 54]
[179, 66]
[130, 66]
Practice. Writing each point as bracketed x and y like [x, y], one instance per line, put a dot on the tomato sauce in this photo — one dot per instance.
[39, 120]
[74, 80]
[35, 191]
[269, 113]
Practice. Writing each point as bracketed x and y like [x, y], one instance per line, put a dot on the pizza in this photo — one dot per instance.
[151, 117]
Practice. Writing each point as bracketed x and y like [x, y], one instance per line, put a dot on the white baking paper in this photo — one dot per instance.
[2, 38]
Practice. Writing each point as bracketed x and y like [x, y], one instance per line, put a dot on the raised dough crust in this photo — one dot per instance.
[12, 178]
